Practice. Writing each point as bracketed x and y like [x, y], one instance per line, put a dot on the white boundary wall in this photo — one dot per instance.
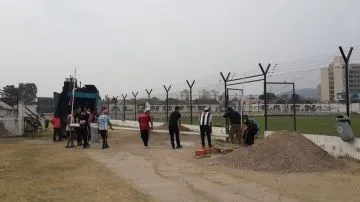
[333, 145]
[217, 131]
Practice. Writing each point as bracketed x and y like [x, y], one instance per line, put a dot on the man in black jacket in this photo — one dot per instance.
[174, 124]
[235, 125]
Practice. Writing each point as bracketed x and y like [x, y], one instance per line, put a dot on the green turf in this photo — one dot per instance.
[324, 125]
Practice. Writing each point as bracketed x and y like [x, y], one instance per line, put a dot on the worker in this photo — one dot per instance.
[206, 126]
[145, 124]
[70, 131]
[174, 124]
[249, 133]
[87, 110]
[235, 125]
[79, 138]
[103, 123]
[246, 117]
[83, 127]
[56, 123]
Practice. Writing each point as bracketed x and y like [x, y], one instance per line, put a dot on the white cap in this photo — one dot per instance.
[147, 107]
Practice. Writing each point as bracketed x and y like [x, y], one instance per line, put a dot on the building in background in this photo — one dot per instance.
[333, 84]
[185, 95]
[214, 95]
[45, 105]
[204, 94]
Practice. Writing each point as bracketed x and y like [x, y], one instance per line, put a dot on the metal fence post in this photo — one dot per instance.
[294, 106]
[265, 92]
[135, 109]
[346, 60]
[225, 79]
[191, 101]
[148, 93]
[124, 107]
[167, 102]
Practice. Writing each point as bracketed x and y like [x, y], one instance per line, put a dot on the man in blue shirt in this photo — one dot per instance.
[103, 122]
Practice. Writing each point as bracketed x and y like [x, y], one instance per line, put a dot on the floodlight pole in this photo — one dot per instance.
[191, 102]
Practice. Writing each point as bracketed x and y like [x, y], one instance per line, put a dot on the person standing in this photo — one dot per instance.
[79, 138]
[87, 110]
[145, 124]
[206, 127]
[70, 131]
[83, 127]
[103, 123]
[174, 124]
[56, 123]
[235, 125]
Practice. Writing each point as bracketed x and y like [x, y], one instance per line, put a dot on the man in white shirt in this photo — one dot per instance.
[103, 122]
[206, 126]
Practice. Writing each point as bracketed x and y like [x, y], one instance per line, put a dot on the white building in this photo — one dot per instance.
[204, 94]
[185, 95]
[333, 84]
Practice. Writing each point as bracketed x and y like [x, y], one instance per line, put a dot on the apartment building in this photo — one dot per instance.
[333, 83]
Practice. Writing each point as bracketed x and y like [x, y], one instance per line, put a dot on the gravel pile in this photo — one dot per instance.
[282, 153]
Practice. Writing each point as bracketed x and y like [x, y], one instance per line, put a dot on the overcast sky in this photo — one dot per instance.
[123, 46]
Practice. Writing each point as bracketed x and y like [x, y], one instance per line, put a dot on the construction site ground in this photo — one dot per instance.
[36, 169]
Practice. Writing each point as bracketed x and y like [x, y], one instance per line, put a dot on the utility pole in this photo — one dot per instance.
[191, 101]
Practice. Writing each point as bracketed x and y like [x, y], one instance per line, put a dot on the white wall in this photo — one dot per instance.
[217, 131]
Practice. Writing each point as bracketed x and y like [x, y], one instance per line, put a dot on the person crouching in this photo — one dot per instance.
[249, 133]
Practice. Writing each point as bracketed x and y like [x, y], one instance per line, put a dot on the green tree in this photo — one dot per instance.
[26, 93]
[269, 96]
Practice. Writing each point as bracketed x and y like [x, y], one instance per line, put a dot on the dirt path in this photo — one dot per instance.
[158, 172]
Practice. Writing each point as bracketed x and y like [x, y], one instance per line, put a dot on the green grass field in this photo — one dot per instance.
[306, 124]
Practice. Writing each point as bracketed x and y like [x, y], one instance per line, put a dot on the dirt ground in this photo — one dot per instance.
[38, 170]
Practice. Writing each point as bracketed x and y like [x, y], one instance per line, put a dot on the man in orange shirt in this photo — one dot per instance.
[145, 124]
[56, 123]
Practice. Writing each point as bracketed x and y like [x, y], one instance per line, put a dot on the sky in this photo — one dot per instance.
[127, 46]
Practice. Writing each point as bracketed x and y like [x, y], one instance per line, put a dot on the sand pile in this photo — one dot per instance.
[284, 153]
[166, 127]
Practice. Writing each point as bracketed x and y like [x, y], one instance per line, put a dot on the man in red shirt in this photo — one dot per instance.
[55, 121]
[145, 123]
